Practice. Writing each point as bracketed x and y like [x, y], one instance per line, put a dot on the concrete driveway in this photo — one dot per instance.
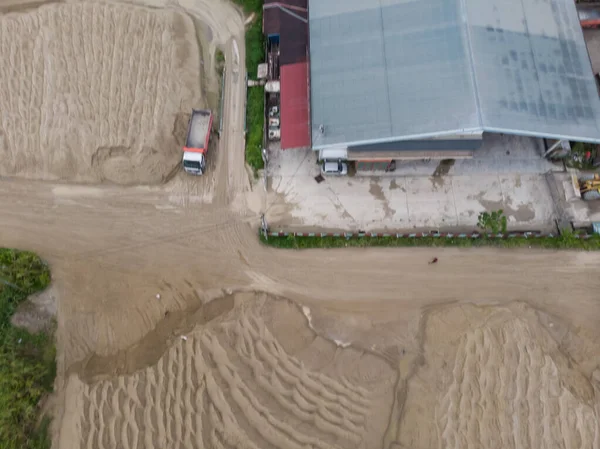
[404, 202]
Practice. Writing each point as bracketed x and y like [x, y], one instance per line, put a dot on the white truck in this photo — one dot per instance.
[196, 143]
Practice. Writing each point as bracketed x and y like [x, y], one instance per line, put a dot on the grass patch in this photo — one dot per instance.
[255, 114]
[255, 49]
[564, 241]
[27, 362]
[250, 6]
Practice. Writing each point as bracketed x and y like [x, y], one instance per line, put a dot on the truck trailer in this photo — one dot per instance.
[196, 143]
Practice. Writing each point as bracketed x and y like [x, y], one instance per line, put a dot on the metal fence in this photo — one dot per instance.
[221, 111]
[246, 105]
[417, 235]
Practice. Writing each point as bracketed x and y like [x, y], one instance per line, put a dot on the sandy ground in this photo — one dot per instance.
[379, 314]
[78, 105]
[500, 377]
[232, 383]
[251, 347]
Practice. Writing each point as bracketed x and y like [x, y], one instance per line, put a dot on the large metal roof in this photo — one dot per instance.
[384, 70]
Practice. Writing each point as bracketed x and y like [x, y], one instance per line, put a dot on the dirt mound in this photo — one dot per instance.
[232, 384]
[93, 92]
[495, 377]
[38, 312]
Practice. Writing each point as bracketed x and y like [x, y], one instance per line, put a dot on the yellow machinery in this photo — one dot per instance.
[589, 186]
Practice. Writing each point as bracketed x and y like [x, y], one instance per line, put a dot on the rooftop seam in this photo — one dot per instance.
[385, 70]
[471, 60]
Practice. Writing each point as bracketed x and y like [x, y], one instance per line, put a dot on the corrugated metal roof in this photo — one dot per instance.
[278, 14]
[293, 44]
[288, 19]
[271, 21]
[292, 3]
[295, 127]
[401, 69]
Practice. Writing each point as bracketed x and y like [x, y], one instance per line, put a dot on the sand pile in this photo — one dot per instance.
[495, 378]
[95, 92]
[233, 384]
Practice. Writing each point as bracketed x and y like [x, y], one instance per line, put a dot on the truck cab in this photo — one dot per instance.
[194, 163]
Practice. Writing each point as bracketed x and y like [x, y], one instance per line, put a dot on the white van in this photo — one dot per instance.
[334, 168]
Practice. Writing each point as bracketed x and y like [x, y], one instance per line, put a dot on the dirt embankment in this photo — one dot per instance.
[81, 105]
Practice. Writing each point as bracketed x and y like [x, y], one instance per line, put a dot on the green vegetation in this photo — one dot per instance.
[27, 362]
[255, 54]
[255, 50]
[250, 6]
[255, 116]
[567, 240]
[492, 222]
[582, 155]
[219, 61]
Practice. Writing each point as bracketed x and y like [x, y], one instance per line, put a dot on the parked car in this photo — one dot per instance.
[274, 111]
[334, 168]
[273, 122]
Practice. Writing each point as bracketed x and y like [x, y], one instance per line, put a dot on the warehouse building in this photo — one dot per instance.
[427, 78]
[400, 79]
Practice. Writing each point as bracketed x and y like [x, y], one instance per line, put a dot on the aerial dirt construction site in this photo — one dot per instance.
[93, 91]
[178, 328]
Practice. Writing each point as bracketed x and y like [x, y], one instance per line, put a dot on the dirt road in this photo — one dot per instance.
[346, 348]
[113, 250]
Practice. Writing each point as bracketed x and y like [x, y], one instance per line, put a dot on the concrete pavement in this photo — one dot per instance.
[411, 198]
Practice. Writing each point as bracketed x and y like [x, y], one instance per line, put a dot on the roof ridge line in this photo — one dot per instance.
[471, 61]
[385, 70]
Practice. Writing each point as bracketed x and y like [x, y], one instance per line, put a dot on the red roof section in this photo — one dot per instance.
[295, 123]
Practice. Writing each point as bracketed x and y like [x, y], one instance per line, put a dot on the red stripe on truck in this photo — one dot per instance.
[207, 138]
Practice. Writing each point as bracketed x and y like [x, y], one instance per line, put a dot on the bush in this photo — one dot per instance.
[24, 269]
[27, 362]
[250, 6]
[494, 222]
[567, 240]
[219, 61]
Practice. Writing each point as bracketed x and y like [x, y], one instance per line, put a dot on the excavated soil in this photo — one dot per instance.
[499, 377]
[95, 92]
[232, 383]
[253, 372]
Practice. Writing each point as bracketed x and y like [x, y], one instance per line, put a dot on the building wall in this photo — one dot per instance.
[448, 147]
[442, 144]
